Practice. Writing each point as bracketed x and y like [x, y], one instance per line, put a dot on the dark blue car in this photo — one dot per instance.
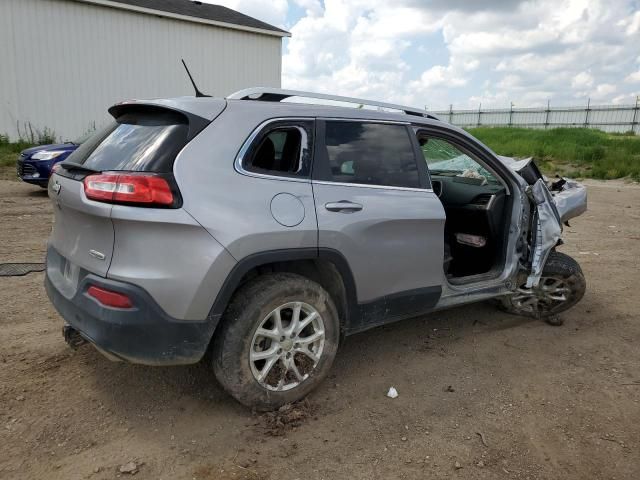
[34, 164]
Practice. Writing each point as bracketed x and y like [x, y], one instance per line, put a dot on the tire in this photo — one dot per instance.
[237, 341]
[561, 277]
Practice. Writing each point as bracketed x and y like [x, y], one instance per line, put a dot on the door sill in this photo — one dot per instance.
[471, 279]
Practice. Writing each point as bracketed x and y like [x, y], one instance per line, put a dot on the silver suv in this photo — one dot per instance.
[257, 233]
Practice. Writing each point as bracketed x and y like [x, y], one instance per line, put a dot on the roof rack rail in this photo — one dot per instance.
[265, 94]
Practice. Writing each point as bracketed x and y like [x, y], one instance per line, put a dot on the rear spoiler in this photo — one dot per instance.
[196, 122]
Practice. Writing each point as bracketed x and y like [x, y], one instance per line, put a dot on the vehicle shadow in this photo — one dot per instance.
[137, 390]
[39, 193]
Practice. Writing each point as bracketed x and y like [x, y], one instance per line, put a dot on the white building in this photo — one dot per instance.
[64, 62]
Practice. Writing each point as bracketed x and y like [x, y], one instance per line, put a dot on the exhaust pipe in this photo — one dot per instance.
[73, 337]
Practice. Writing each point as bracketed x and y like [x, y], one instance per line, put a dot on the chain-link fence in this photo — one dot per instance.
[610, 118]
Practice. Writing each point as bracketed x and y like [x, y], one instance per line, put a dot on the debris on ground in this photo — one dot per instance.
[450, 389]
[130, 468]
[484, 440]
[287, 417]
[392, 393]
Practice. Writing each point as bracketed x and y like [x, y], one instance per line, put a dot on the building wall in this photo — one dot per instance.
[63, 63]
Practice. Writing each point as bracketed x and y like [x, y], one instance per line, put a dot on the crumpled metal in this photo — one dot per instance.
[570, 200]
[548, 230]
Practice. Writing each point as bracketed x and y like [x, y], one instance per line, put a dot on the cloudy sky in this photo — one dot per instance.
[439, 52]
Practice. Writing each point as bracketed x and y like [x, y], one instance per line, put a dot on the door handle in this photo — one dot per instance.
[343, 206]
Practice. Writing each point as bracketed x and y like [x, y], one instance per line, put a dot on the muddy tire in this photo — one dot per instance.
[276, 341]
[561, 286]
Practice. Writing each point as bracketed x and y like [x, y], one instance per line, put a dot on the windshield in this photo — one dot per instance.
[458, 164]
[445, 159]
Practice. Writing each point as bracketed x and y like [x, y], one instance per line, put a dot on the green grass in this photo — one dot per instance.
[577, 152]
[9, 151]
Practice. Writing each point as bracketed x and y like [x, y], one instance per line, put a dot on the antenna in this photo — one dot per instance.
[195, 87]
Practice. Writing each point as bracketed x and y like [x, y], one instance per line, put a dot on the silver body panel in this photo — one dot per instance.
[394, 244]
[171, 256]
[81, 226]
[235, 208]
[571, 200]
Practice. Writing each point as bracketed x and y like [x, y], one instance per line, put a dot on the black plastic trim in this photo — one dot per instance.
[359, 317]
[423, 171]
[143, 334]
[232, 282]
[395, 307]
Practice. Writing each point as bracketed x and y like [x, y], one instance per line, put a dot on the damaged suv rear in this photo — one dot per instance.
[257, 233]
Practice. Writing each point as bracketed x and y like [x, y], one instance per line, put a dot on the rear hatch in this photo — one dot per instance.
[82, 230]
[128, 162]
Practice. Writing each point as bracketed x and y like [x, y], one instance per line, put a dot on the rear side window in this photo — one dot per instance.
[281, 149]
[371, 154]
[146, 141]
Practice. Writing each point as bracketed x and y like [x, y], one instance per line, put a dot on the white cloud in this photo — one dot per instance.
[603, 91]
[633, 77]
[582, 80]
[510, 81]
[631, 24]
[460, 52]
[627, 98]
[273, 12]
[355, 48]
[312, 7]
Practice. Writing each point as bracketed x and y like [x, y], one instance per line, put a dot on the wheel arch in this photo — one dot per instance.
[327, 267]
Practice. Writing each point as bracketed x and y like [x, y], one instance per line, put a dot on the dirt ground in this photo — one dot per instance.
[481, 394]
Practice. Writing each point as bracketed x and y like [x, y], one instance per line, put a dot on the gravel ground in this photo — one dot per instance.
[481, 394]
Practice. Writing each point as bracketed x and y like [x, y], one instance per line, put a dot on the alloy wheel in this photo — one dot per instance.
[287, 346]
[550, 292]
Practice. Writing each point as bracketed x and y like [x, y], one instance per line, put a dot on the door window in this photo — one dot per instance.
[370, 154]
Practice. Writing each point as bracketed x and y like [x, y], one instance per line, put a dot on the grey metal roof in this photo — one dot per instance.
[199, 10]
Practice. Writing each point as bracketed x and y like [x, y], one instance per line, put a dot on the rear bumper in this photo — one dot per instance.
[143, 334]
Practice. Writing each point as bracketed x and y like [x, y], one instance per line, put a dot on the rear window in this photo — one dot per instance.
[136, 141]
[283, 149]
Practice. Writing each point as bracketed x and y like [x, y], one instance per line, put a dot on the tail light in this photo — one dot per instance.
[109, 298]
[144, 189]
